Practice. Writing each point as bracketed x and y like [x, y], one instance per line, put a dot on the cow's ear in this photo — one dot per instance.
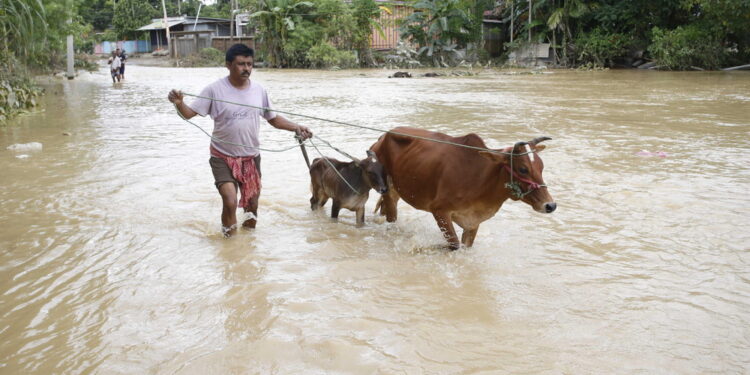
[371, 154]
[495, 157]
[539, 148]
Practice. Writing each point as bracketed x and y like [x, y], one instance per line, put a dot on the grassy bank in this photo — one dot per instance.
[18, 92]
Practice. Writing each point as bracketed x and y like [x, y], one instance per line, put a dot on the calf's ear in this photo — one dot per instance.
[539, 148]
[371, 154]
[495, 157]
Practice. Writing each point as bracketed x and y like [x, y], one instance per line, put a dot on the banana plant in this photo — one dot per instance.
[438, 27]
[366, 17]
[276, 19]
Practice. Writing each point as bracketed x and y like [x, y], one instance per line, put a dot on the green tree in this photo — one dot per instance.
[97, 13]
[728, 21]
[366, 14]
[276, 19]
[560, 19]
[438, 27]
[220, 9]
[130, 15]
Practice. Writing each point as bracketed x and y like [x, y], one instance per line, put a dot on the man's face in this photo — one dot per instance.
[241, 67]
[118, 52]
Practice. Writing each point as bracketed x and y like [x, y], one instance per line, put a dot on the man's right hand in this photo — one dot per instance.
[175, 96]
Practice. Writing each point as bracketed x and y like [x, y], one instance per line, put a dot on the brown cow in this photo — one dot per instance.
[458, 184]
[362, 175]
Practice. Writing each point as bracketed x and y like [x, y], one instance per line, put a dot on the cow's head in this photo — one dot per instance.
[523, 168]
[374, 172]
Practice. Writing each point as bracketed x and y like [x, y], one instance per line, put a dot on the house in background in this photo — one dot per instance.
[209, 26]
[191, 34]
[397, 10]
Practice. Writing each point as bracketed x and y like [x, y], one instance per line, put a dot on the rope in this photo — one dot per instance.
[361, 126]
[336, 149]
[333, 167]
[232, 143]
[512, 185]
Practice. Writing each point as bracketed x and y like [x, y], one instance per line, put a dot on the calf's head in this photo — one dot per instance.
[374, 172]
[523, 168]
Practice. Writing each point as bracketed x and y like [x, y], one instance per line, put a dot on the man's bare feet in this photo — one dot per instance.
[228, 231]
[250, 221]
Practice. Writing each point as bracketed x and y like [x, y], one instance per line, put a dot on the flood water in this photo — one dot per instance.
[112, 259]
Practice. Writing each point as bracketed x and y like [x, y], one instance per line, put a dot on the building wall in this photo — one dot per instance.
[130, 46]
[389, 23]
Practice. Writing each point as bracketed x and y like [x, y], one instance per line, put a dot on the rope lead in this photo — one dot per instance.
[356, 126]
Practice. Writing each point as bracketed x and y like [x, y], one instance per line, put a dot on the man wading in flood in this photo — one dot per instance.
[239, 125]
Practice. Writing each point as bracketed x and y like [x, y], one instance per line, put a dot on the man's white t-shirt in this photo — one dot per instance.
[116, 62]
[234, 123]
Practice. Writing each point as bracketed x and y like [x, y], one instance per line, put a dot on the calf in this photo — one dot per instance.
[362, 175]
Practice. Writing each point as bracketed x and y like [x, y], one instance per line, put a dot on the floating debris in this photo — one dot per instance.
[25, 147]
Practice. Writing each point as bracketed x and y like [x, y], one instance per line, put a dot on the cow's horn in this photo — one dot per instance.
[537, 140]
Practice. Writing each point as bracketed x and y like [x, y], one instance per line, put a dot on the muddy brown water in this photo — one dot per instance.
[112, 260]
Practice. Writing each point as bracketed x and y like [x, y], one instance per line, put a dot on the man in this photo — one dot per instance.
[114, 66]
[236, 166]
[123, 57]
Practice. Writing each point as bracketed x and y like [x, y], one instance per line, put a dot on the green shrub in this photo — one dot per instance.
[86, 62]
[301, 40]
[205, 57]
[688, 46]
[598, 48]
[18, 92]
[325, 55]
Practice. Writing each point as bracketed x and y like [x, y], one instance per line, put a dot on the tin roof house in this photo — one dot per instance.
[201, 25]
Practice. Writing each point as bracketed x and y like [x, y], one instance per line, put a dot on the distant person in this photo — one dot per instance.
[123, 58]
[114, 66]
[235, 166]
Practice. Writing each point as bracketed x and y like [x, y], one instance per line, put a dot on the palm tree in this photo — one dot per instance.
[560, 19]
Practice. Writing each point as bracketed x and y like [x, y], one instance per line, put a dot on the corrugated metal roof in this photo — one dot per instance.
[159, 25]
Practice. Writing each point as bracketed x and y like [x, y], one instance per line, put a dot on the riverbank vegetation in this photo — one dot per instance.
[668, 34]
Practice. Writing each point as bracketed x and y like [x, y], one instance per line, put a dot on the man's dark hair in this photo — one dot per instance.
[239, 49]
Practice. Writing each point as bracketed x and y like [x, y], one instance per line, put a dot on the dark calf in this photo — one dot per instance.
[362, 175]
[400, 75]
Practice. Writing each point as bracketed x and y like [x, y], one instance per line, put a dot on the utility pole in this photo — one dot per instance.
[512, 17]
[231, 21]
[530, 14]
[166, 27]
[71, 56]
